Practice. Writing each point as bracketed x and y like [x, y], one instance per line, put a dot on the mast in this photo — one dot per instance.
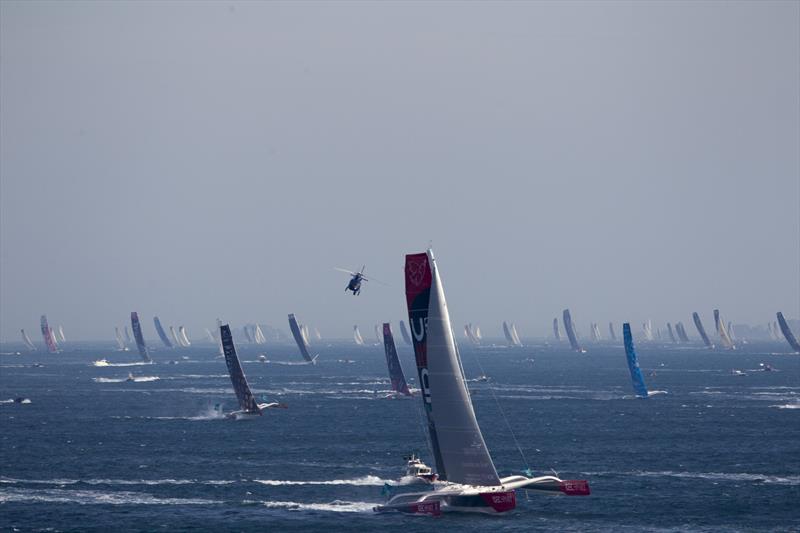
[399, 384]
[137, 334]
[458, 446]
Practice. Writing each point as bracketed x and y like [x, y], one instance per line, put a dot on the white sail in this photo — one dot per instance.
[722, 331]
[219, 339]
[259, 336]
[184, 338]
[304, 331]
[357, 336]
[378, 335]
[174, 337]
[120, 343]
[515, 335]
[317, 335]
[27, 340]
[61, 337]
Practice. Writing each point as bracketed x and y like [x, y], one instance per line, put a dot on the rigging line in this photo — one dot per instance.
[503, 414]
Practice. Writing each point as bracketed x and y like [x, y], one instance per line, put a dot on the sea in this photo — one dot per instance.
[716, 448]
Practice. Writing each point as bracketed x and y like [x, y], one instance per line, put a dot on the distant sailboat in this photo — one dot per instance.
[120, 343]
[647, 328]
[175, 340]
[306, 337]
[509, 334]
[246, 330]
[302, 344]
[357, 336]
[137, 334]
[787, 333]
[681, 331]
[671, 334]
[470, 479]
[633, 363]
[27, 340]
[596, 332]
[570, 329]
[61, 337]
[404, 333]
[317, 334]
[515, 335]
[556, 333]
[259, 336]
[701, 330]
[48, 336]
[611, 331]
[722, 331]
[378, 336]
[161, 333]
[183, 337]
[127, 335]
[399, 384]
[247, 402]
[210, 336]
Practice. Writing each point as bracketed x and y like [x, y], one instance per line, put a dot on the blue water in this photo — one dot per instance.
[91, 452]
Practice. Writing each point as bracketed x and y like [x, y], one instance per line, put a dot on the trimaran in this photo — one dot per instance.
[469, 479]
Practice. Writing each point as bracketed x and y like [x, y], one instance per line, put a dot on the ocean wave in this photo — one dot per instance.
[787, 406]
[137, 379]
[711, 476]
[103, 363]
[93, 497]
[361, 481]
[61, 482]
[336, 506]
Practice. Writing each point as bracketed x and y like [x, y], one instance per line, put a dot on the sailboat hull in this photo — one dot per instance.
[487, 500]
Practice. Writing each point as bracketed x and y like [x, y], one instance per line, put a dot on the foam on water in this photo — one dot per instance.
[92, 497]
[336, 506]
[363, 481]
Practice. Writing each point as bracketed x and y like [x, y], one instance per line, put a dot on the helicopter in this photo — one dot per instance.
[354, 284]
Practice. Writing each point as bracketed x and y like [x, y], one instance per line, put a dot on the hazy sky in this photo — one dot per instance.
[199, 160]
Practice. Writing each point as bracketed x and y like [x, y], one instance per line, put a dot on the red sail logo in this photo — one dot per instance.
[416, 270]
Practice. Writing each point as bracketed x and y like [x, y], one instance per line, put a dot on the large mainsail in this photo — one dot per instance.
[515, 335]
[787, 333]
[404, 333]
[701, 330]
[27, 340]
[458, 446]
[137, 334]
[47, 335]
[633, 363]
[570, 329]
[247, 402]
[399, 384]
[299, 338]
[161, 333]
[722, 331]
